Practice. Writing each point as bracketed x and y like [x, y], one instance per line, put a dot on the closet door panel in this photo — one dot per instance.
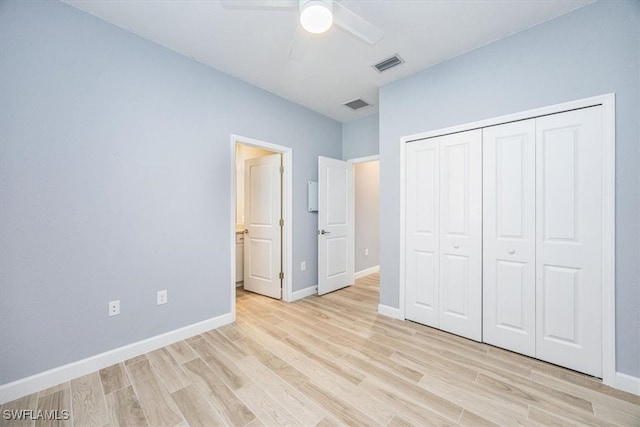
[422, 266]
[509, 236]
[569, 239]
[455, 286]
[461, 234]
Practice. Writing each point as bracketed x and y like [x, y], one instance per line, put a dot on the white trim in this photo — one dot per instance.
[365, 159]
[303, 293]
[392, 312]
[351, 201]
[610, 376]
[626, 383]
[523, 115]
[367, 271]
[25, 386]
[403, 231]
[287, 195]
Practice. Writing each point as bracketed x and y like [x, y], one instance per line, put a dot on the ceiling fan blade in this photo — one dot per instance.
[260, 4]
[360, 27]
[300, 43]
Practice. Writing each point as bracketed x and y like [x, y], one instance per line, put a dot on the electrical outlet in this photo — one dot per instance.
[162, 297]
[303, 266]
[114, 308]
[366, 252]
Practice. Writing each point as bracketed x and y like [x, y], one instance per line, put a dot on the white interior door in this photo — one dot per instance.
[335, 225]
[263, 230]
[509, 236]
[422, 231]
[569, 207]
[460, 296]
[443, 282]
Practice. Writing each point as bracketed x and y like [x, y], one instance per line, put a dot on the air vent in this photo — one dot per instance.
[357, 104]
[395, 60]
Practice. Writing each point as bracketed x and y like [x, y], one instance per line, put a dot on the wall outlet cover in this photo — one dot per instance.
[114, 308]
[161, 297]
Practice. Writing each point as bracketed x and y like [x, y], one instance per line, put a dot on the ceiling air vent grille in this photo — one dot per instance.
[394, 61]
[357, 104]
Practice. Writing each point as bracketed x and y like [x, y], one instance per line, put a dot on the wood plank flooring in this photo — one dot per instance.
[329, 361]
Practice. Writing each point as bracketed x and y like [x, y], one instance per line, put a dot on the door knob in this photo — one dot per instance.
[456, 246]
[325, 232]
[246, 231]
[512, 251]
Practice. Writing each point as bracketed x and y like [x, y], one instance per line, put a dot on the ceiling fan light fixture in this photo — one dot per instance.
[316, 16]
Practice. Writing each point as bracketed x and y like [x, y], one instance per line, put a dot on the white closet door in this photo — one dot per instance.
[509, 236]
[422, 259]
[460, 298]
[569, 239]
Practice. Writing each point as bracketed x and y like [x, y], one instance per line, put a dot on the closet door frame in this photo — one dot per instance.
[607, 101]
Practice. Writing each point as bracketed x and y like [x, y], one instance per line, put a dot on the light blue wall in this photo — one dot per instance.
[592, 51]
[360, 138]
[115, 183]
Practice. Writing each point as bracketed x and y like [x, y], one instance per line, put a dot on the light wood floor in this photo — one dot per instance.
[328, 361]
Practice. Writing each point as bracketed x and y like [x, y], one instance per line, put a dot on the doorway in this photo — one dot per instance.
[366, 208]
[348, 221]
[243, 148]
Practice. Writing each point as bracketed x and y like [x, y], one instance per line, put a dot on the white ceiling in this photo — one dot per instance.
[253, 45]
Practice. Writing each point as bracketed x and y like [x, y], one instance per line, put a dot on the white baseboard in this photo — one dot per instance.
[313, 290]
[303, 293]
[627, 383]
[22, 387]
[385, 310]
[367, 271]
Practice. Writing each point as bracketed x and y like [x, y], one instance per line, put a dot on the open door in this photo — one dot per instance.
[263, 225]
[335, 225]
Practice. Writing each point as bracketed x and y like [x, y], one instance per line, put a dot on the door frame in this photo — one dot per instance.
[607, 101]
[352, 165]
[287, 213]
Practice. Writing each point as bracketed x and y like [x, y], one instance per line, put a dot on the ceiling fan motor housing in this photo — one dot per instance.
[316, 16]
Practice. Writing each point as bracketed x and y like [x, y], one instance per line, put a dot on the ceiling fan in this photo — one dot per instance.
[316, 16]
